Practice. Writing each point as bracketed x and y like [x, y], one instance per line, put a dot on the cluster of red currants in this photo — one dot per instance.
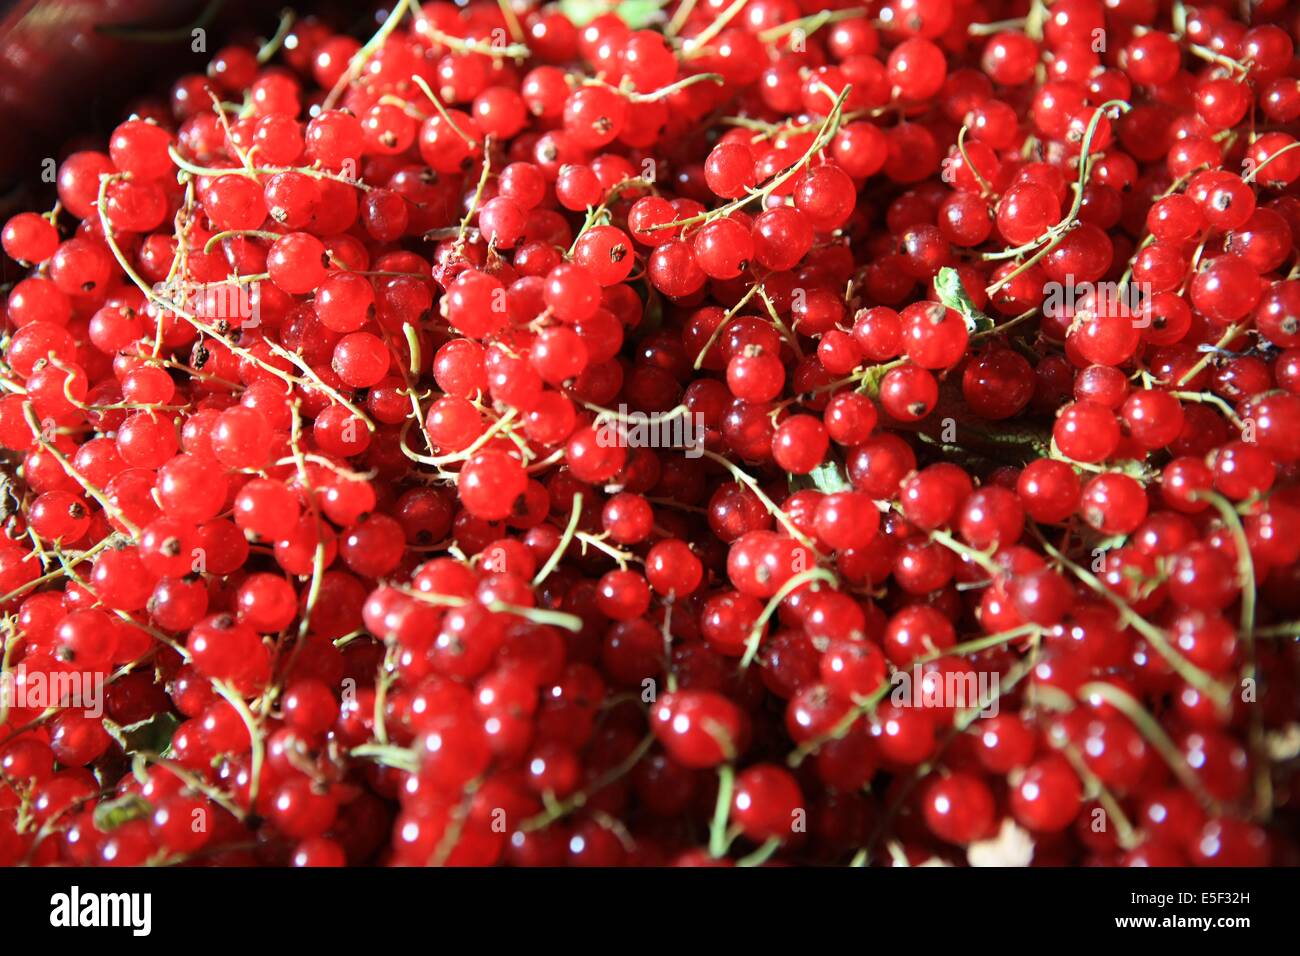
[328, 538]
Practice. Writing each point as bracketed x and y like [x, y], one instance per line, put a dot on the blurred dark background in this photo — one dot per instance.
[69, 67]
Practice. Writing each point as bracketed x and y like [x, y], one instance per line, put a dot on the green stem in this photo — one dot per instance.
[539, 615]
[725, 321]
[1056, 233]
[563, 808]
[790, 586]
[398, 758]
[1125, 835]
[233, 698]
[718, 842]
[981, 643]
[272, 46]
[1246, 572]
[1230, 333]
[761, 855]
[1154, 734]
[371, 47]
[865, 708]
[741, 476]
[563, 544]
[1184, 668]
[978, 557]
[696, 44]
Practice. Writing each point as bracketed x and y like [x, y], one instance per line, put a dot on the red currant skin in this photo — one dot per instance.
[627, 518]
[1086, 431]
[958, 808]
[755, 375]
[1005, 743]
[846, 519]
[672, 568]
[723, 248]
[850, 418]
[800, 444]
[826, 195]
[1047, 796]
[490, 484]
[297, 263]
[675, 270]
[729, 170]
[1229, 842]
[904, 736]
[930, 497]
[766, 803]
[1025, 212]
[853, 669]
[606, 252]
[318, 852]
[909, 393]
[917, 68]
[934, 336]
[699, 729]
[998, 384]
[1049, 490]
[1009, 58]
[29, 237]
[1114, 504]
[782, 236]
[991, 516]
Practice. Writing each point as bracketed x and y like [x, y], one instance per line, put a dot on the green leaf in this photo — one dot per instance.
[1137, 470]
[1108, 542]
[871, 378]
[140, 768]
[952, 294]
[637, 14]
[828, 477]
[111, 814]
[151, 736]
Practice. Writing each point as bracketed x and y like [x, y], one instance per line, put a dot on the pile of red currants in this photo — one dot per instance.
[718, 432]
